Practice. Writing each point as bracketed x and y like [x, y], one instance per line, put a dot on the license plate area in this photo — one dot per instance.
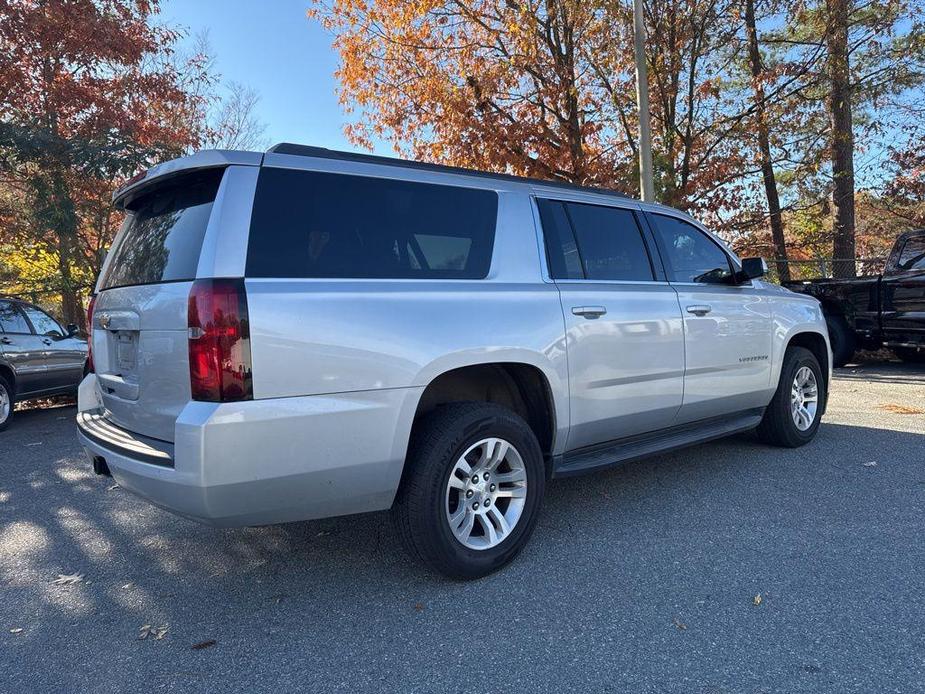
[126, 348]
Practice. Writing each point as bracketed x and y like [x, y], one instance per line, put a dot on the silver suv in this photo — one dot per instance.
[307, 333]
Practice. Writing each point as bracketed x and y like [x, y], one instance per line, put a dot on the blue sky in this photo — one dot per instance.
[271, 46]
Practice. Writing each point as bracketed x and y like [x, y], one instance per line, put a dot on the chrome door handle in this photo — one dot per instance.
[6, 340]
[589, 311]
[699, 309]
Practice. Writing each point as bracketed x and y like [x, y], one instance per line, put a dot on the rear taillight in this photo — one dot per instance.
[90, 333]
[219, 341]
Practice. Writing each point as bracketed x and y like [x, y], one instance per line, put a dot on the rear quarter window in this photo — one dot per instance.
[320, 225]
[161, 238]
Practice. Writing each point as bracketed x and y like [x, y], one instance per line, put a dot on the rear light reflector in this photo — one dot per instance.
[219, 341]
[90, 334]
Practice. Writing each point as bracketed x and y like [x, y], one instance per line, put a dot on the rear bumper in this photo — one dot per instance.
[264, 461]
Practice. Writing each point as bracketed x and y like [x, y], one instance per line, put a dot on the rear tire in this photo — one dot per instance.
[449, 448]
[6, 403]
[784, 423]
[910, 354]
[842, 338]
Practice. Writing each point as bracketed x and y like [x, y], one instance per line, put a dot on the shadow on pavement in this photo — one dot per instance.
[618, 560]
[883, 372]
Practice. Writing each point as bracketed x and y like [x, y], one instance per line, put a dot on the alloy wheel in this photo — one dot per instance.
[486, 493]
[804, 398]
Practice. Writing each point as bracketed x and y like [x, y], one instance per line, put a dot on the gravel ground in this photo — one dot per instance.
[729, 567]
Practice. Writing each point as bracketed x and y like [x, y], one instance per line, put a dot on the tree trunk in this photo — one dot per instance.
[71, 308]
[62, 219]
[842, 139]
[764, 146]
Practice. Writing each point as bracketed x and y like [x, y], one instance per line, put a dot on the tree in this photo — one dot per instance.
[769, 179]
[841, 137]
[87, 97]
[234, 124]
[874, 65]
[545, 88]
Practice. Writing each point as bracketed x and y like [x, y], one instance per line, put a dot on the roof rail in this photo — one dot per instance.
[324, 153]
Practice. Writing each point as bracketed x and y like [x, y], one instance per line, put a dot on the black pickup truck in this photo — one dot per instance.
[883, 310]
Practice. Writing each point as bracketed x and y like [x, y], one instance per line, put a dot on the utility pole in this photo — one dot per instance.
[646, 186]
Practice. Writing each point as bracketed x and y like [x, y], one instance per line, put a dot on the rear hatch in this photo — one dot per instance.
[140, 332]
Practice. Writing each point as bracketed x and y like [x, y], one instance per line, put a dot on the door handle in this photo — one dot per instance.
[699, 309]
[47, 342]
[6, 340]
[590, 312]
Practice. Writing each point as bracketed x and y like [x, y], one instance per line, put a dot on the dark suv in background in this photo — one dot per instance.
[38, 358]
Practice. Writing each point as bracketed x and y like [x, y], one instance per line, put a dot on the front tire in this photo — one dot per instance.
[843, 340]
[472, 490]
[6, 403]
[792, 418]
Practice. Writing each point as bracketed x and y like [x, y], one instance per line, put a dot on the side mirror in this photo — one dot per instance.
[752, 268]
[72, 329]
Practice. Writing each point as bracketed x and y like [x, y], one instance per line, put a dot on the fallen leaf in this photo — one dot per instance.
[68, 579]
[678, 623]
[419, 606]
[757, 600]
[17, 630]
[872, 463]
[901, 409]
[157, 633]
[204, 644]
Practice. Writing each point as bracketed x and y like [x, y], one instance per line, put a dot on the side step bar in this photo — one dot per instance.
[631, 448]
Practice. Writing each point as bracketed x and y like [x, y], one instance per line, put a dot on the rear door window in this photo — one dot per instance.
[310, 224]
[161, 238]
[12, 320]
[594, 242]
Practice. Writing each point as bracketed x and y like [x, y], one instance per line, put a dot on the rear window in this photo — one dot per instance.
[161, 237]
[310, 224]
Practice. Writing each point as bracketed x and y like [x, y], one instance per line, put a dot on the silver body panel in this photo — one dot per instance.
[339, 365]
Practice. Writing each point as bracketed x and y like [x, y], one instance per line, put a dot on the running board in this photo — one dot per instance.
[641, 446]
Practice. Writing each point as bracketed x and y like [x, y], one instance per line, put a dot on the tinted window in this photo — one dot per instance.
[43, 323]
[561, 250]
[913, 255]
[161, 238]
[310, 224]
[11, 319]
[689, 254]
[610, 243]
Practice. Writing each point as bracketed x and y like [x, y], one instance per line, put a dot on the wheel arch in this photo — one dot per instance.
[522, 387]
[818, 344]
[6, 371]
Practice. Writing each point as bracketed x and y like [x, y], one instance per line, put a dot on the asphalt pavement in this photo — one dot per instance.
[730, 567]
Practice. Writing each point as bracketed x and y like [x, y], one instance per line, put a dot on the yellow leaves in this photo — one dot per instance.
[757, 600]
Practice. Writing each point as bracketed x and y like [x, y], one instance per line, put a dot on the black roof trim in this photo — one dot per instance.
[324, 153]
